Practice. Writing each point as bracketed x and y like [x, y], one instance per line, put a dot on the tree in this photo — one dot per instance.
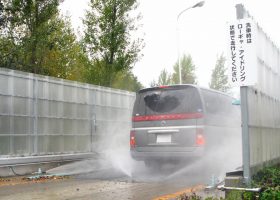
[8, 36]
[31, 19]
[2, 17]
[164, 79]
[187, 71]
[107, 40]
[36, 39]
[126, 81]
[61, 55]
[27, 28]
[219, 79]
[153, 83]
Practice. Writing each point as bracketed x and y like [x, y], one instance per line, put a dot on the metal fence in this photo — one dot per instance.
[264, 106]
[254, 66]
[40, 115]
[264, 130]
[260, 104]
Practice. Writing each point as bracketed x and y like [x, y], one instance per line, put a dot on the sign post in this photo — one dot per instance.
[243, 72]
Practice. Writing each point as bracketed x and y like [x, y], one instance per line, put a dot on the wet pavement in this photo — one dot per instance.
[103, 180]
[115, 175]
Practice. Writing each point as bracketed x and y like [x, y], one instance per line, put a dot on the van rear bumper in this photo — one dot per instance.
[176, 155]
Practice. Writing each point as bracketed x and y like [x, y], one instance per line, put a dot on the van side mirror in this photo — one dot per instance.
[236, 102]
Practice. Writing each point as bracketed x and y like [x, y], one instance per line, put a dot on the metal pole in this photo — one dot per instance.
[199, 4]
[35, 115]
[240, 14]
[178, 49]
[245, 134]
[11, 82]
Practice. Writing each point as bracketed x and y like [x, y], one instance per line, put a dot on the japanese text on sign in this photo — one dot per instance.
[242, 54]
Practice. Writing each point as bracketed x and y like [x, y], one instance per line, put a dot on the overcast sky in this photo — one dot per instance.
[202, 31]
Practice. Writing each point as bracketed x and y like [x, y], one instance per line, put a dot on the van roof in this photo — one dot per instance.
[167, 86]
[178, 86]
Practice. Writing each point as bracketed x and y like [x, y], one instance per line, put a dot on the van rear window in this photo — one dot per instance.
[167, 101]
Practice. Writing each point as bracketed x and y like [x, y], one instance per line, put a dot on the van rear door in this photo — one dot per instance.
[167, 119]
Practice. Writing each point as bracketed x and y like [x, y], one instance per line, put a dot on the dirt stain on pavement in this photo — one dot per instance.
[181, 192]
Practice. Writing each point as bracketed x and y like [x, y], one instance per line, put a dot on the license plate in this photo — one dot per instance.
[163, 138]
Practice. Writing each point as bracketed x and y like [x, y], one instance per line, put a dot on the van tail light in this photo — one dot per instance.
[163, 86]
[132, 139]
[200, 139]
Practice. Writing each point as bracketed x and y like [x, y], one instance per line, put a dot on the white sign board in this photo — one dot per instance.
[242, 54]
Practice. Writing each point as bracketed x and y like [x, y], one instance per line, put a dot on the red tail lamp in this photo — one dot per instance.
[200, 139]
[132, 139]
[163, 86]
